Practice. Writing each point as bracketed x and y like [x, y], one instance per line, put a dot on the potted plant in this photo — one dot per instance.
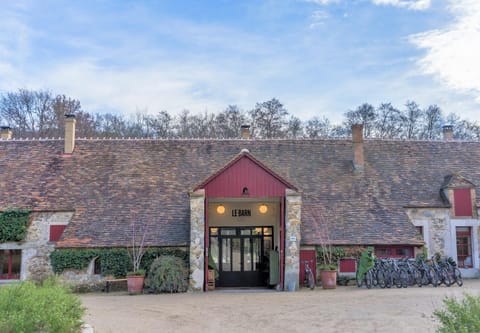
[136, 277]
[327, 260]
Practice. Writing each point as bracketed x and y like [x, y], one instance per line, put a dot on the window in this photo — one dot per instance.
[10, 263]
[464, 247]
[462, 202]
[394, 252]
[56, 232]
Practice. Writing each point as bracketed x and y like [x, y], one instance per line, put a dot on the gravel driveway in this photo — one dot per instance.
[345, 309]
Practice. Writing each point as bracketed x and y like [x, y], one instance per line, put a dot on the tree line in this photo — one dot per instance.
[40, 114]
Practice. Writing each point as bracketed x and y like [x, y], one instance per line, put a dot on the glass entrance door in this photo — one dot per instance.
[239, 255]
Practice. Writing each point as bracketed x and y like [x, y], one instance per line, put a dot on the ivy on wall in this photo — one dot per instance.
[13, 225]
[114, 262]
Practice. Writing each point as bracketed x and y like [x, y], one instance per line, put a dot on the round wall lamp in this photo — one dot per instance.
[263, 208]
[220, 209]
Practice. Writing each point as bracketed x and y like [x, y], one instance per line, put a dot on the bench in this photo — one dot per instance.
[109, 282]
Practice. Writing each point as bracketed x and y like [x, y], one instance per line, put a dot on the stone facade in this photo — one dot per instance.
[36, 247]
[293, 220]
[439, 233]
[197, 240]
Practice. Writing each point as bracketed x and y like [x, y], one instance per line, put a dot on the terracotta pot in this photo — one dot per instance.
[135, 284]
[329, 279]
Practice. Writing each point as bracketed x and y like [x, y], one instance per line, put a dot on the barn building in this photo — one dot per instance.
[235, 201]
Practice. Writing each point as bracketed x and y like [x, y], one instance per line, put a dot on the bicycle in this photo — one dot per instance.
[309, 279]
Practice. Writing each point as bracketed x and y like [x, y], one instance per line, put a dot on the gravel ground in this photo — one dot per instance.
[344, 309]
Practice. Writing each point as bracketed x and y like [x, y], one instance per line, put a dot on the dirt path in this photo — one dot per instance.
[345, 309]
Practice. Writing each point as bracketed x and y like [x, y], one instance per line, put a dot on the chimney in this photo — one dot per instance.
[357, 137]
[245, 131]
[69, 133]
[5, 133]
[447, 132]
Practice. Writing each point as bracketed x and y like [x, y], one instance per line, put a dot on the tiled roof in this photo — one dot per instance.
[110, 183]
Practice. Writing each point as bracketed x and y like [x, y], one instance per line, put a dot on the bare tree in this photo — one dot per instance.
[388, 123]
[366, 115]
[269, 119]
[411, 119]
[295, 128]
[432, 122]
[229, 121]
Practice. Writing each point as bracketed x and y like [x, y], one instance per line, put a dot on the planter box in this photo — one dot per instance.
[211, 279]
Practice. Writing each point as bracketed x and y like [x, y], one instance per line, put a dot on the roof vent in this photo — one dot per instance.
[447, 132]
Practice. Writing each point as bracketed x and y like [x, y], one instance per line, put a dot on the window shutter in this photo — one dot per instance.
[462, 202]
[56, 232]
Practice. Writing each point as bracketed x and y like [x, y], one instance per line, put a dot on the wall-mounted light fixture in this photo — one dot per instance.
[245, 191]
[263, 208]
[220, 209]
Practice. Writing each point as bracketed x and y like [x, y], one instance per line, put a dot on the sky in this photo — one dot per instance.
[318, 57]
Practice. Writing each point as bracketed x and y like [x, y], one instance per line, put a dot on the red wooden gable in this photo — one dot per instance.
[245, 177]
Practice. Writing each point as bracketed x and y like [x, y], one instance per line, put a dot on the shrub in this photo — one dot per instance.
[168, 274]
[13, 225]
[27, 307]
[459, 316]
[113, 261]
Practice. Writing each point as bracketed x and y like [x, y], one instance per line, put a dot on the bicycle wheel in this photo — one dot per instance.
[417, 277]
[397, 281]
[368, 279]
[359, 280]
[381, 279]
[311, 280]
[404, 278]
[446, 278]
[432, 277]
[458, 276]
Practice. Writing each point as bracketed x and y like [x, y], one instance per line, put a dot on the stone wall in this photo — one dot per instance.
[439, 231]
[197, 240]
[436, 228]
[36, 247]
[293, 211]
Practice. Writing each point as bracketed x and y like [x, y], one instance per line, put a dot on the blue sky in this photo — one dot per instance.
[318, 57]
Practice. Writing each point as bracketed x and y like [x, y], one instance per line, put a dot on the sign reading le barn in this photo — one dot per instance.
[241, 212]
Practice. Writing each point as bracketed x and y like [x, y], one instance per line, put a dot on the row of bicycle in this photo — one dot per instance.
[388, 272]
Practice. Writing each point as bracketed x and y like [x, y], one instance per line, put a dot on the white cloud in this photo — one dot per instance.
[409, 4]
[453, 53]
[323, 2]
[317, 18]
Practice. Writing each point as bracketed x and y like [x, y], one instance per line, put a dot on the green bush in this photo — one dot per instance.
[459, 316]
[168, 274]
[50, 307]
[113, 261]
[13, 225]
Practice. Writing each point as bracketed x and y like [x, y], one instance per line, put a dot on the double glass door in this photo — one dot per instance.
[240, 255]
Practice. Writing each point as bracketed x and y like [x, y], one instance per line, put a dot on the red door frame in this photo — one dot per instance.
[282, 244]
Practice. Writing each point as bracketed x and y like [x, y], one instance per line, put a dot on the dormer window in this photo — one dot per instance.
[459, 193]
[462, 202]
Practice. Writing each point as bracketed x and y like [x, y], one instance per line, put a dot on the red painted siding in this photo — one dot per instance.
[245, 173]
[310, 256]
[348, 265]
[56, 232]
[394, 251]
[462, 202]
